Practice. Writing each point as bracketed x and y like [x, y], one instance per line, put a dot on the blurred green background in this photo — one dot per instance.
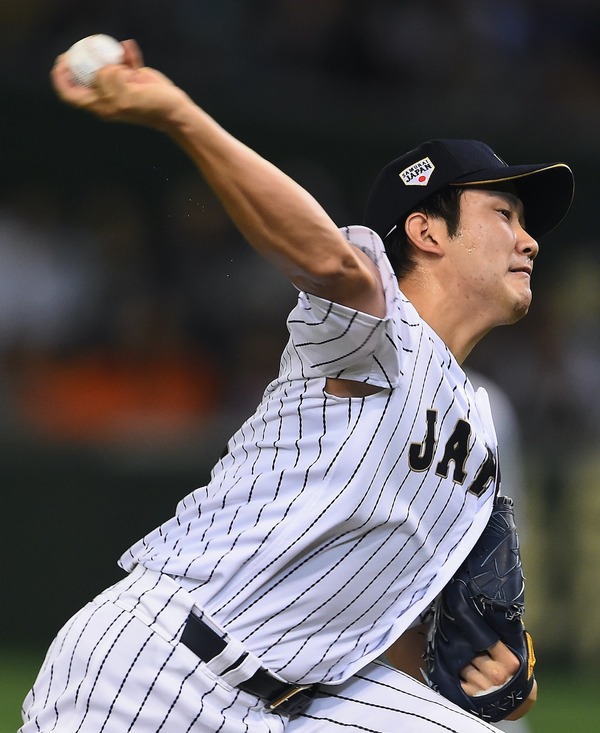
[137, 330]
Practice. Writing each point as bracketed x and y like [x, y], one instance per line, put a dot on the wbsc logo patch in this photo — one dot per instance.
[418, 174]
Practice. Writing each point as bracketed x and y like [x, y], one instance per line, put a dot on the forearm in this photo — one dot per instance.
[406, 653]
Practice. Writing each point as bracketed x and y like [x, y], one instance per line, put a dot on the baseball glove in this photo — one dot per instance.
[482, 604]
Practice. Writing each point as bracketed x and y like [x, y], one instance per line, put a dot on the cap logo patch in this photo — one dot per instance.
[418, 174]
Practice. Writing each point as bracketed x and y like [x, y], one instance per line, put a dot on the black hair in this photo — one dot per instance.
[443, 204]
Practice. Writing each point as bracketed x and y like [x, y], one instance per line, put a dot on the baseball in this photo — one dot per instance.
[85, 57]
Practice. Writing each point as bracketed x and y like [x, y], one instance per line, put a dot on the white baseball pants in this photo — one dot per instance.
[117, 667]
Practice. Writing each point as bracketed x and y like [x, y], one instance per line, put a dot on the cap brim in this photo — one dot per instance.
[545, 190]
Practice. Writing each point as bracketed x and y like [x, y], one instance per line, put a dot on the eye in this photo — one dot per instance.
[506, 213]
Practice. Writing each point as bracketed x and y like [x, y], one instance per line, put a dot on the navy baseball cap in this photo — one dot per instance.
[546, 189]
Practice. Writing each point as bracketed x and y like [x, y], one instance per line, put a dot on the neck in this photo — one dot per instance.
[450, 317]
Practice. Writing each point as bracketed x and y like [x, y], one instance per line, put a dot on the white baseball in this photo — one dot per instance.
[85, 57]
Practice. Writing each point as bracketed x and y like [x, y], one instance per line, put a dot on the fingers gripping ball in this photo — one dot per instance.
[87, 56]
[483, 604]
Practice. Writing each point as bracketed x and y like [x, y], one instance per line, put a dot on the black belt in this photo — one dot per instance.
[283, 696]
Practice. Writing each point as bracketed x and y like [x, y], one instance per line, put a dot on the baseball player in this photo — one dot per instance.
[345, 503]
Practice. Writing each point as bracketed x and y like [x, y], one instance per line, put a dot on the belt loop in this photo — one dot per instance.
[229, 659]
[242, 672]
[222, 655]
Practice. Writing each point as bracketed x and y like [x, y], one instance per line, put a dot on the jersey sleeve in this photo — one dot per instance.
[333, 340]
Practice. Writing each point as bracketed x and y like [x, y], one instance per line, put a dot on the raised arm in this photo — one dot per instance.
[281, 220]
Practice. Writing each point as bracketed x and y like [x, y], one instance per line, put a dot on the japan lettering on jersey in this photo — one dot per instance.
[456, 451]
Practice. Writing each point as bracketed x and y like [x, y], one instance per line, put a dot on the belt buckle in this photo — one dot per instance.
[287, 696]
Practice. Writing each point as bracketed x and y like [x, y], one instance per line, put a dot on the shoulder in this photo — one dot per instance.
[370, 243]
[367, 241]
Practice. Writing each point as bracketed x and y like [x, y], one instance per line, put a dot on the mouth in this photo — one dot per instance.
[524, 269]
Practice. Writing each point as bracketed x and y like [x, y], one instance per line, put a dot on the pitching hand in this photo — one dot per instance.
[126, 92]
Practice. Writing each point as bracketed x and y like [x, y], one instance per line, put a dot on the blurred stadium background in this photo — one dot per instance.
[137, 329]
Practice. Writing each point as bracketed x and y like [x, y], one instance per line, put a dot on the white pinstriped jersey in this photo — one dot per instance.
[332, 523]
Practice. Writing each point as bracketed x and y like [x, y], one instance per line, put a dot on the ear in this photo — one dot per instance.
[425, 232]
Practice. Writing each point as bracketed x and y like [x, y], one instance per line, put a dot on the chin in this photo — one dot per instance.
[519, 311]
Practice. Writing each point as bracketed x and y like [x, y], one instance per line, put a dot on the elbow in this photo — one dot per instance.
[349, 278]
[333, 275]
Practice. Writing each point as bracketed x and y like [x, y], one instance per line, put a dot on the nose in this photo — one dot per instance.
[527, 245]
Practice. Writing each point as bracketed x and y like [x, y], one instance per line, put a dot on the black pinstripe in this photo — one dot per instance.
[380, 700]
